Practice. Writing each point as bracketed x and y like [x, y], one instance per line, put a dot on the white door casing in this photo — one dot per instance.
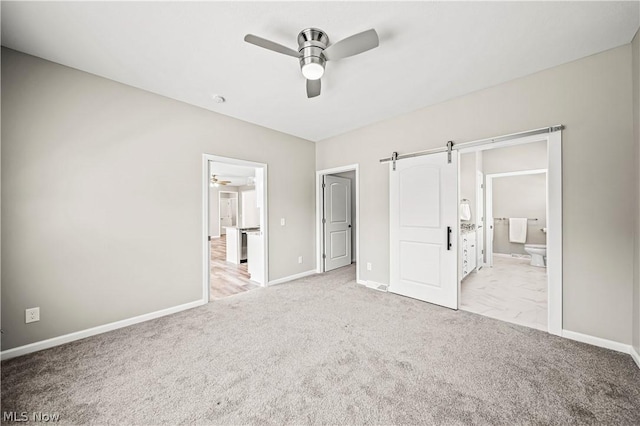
[337, 222]
[424, 229]
[480, 219]
[261, 179]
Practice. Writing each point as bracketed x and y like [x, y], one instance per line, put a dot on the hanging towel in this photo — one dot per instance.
[518, 229]
[465, 211]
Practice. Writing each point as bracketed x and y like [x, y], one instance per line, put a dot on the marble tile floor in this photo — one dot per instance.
[511, 291]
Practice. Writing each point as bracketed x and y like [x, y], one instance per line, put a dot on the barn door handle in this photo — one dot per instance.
[448, 238]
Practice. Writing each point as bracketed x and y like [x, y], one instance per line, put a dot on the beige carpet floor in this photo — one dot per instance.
[324, 350]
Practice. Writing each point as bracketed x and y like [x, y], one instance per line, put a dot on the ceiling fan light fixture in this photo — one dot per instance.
[314, 50]
[312, 71]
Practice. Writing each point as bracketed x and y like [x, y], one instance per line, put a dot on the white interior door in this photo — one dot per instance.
[424, 229]
[337, 222]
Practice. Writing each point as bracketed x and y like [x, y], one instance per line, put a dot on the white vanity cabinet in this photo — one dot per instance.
[468, 253]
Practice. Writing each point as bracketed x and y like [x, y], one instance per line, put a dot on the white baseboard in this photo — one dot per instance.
[376, 286]
[635, 355]
[293, 277]
[61, 340]
[513, 255]
[597, 341]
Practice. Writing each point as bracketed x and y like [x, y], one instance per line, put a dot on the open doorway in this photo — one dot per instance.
[337, 219]
[426, 245]
[504, 208]
[235, 222]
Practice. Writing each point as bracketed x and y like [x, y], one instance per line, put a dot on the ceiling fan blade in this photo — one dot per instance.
[271, 45]
[353, 45]
[313, 88]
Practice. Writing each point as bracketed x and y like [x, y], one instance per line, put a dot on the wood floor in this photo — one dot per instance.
[227, 278]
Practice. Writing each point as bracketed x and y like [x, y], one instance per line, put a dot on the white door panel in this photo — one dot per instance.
[424, 211]
[424, 231]
[337, 226]
[420, 263]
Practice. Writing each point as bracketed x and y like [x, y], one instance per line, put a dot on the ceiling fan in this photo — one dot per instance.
[217, 182]
[314, 50]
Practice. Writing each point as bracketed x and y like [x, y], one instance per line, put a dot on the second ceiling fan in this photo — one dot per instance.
[314, 50]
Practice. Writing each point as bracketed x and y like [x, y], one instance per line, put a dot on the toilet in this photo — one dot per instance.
[538, 254]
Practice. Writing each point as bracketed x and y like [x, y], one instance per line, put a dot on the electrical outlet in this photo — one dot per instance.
[31, 315]
[299, 259]
[368, 266]
[282, 221]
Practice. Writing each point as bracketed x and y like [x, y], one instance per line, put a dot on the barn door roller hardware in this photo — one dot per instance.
[450, 145]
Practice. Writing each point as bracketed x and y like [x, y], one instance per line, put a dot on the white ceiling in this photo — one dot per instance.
[429, 51]
[237, 175]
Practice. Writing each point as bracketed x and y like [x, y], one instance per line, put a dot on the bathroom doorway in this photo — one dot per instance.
[504, 269]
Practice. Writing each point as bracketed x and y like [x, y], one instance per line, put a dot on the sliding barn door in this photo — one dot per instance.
[424, 228]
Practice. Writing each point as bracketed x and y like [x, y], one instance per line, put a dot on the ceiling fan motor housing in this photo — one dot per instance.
[312, 43]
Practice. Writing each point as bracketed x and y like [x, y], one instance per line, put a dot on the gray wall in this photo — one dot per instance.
[352, 177]
[592, 97]
[498, 160]
[102, 198]
[519, 196]
[636, 137]
[529, 156]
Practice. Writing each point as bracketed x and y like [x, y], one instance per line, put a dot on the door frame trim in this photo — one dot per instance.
[206, 246]
[480, 213]
[319, 238]
[554, 218]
